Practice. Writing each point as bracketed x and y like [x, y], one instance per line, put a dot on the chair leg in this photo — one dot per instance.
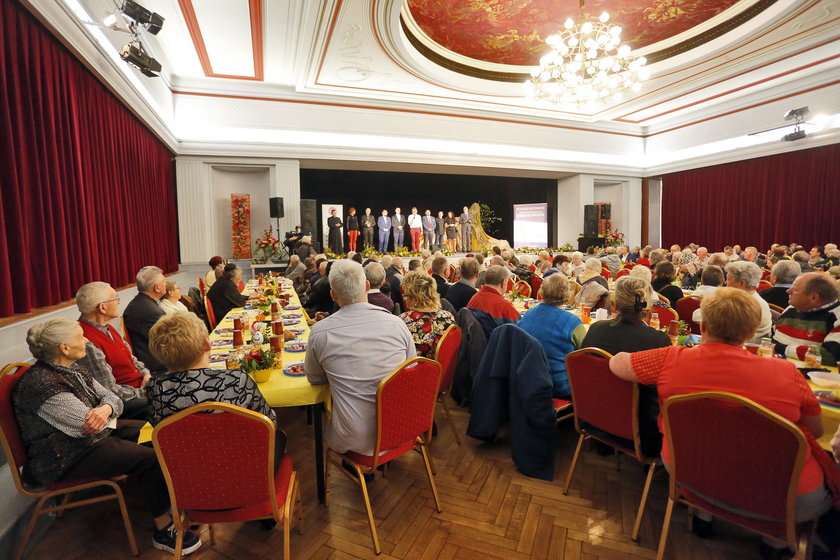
[805, 541]
[450, 420]
[428, 462]
[179, 544]
[288, 510]
[666, 525]
[126, 521]
[327, 465]
[212, 532]
[640, 513]
[371, 522]
[64, 502]
[299, 506]
[30, 528]
[572, 466]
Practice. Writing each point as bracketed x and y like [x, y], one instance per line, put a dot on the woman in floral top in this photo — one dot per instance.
[425, 319]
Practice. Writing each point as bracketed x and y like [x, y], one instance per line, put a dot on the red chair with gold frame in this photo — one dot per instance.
[510, 285]
[607, 410]
[15, 451]
[763, 285]
[536, 284]
[605, 272]
[522, 288]
[446, 354]
[749, 480]
[125, 332]
[622, 273]
[666, 314]
[766, 274]
[201, 287]
[211, 315]
[405, 410]
[219, 468]
[686, 307]
[451, 275]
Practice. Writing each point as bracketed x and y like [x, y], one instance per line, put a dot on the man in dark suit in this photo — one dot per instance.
[143, 312]
[398, 225]
[440, 269]
[384, 225]
[440, 229]
[368, 221]
[460, 293]
[782, 276]
[428, 230]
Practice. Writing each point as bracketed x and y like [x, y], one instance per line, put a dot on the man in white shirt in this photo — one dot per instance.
[353, 350]
[415, 228]
[745, 276]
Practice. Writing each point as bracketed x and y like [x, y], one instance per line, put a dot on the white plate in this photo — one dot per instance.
[825, 379]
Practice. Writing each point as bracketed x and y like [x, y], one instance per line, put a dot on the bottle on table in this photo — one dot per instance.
[654, 320]
[765, 350]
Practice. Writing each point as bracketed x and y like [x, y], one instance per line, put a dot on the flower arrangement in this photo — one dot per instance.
[268, 244]
[257, 359]
[613, 238]
[330, 255]
[552, 250]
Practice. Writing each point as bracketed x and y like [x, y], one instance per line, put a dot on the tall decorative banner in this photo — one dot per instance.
[240, 218]
[530, 225]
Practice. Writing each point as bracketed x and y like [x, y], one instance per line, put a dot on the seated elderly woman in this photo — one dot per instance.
[730, 317]
[594, 288]
[629, 333]
[666, 273]
[559, 331]
[425, 320]
[181, 344]
[171, 301]
[68, 424]
[224, 295]
[211, 276]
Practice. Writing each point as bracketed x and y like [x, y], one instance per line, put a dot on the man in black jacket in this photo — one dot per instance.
[460, 293]
[143, 312]
[224, 295]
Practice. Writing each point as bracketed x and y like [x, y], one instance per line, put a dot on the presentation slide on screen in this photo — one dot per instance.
[530, 225]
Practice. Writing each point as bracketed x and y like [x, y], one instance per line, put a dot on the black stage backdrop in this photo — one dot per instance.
[385, 190]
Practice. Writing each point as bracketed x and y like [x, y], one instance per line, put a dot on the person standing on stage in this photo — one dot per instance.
[368, 222]
[384, 223]
[466, 230]
[334, 226]
[428, 230]
[451, 225]
[415, 227]
[398, 227]
[440, 230]
[352, 229]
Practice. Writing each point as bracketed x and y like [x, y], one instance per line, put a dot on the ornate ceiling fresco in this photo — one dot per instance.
[513, 32]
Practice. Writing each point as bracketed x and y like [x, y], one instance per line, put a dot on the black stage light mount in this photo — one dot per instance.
[134, 54]
[147, 19]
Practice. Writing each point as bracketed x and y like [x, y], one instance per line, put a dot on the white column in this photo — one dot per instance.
[632, 211]
[573, 193]
[195, 216]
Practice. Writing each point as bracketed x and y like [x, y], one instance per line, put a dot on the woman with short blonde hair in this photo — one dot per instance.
[171, 300]
[425, 320]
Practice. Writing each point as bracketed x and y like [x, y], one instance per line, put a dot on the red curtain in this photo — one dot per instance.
[88, 192]
[785, 198]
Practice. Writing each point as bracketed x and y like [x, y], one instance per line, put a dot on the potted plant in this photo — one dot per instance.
[268, 245]
[258, 363]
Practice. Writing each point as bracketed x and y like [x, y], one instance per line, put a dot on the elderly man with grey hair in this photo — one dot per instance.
[375, 275]
[489, 296]
[611, 260]
[143, 312]
[295, 270]
[108, 357]
[353, 350]
[745, 275]
[812, 319]
[782, 276]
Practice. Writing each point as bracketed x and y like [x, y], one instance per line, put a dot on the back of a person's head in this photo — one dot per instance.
[229, 271]
[747, 272]
[422, 289]
[215, 261]
[712, 276]
[665, 270]
[347, 280]
[657, 256]
[440, 265]
[45, 338]
[730, 314]
[718, 259]
[309, 262]
[555, 289]
[89, 296]
[375, 274]
[559, 259]
[148, 277]
[414, 264]
[357, 258]
[786, 271]
[642, 272]
[633, 298]
[496, 275]
[821, 284]
[610, 251]
[178, 340]
[386, 261]
[480, 258]
[592, 264]
[469, 268]
[801, 256]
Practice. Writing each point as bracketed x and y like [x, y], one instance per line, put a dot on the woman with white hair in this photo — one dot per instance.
[576, 267]
[171, 301]
[68, 423]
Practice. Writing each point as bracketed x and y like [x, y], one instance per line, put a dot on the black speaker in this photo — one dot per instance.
[590, 220]
[606, 210]
[275, 206]
[308, 218]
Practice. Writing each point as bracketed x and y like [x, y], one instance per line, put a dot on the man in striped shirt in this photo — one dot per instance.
[812, 319]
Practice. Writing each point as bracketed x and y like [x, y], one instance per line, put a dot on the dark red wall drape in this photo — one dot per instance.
[88, 192]
[791, 197]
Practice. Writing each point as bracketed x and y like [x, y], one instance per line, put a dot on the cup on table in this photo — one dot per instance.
[277, 327]
[601, 314]
[751, 347]
[584, 314]
[276, 343]
[275, 306]
[238, 339]
[674, 328]
[237, 323]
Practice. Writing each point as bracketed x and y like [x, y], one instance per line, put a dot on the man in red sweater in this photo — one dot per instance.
[489, 296]
[109, 359]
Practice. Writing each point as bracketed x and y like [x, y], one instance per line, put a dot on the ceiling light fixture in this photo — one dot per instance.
[149, 20]
[796, 115]
[586, 65]
[134, 54]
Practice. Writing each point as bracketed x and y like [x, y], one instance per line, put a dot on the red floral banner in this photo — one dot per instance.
[240, 217]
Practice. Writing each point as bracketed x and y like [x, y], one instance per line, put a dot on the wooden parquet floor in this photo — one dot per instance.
[490, 511]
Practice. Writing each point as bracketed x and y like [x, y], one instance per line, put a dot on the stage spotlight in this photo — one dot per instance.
[137, 57]
[796, 135]
[151, 21]
[797, 114]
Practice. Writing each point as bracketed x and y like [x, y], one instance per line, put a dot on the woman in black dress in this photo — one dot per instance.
[665, 274]
[451, 224]
[352, 229]
[334, 224]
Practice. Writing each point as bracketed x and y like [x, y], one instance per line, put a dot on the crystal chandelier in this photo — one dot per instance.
[586, 65]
